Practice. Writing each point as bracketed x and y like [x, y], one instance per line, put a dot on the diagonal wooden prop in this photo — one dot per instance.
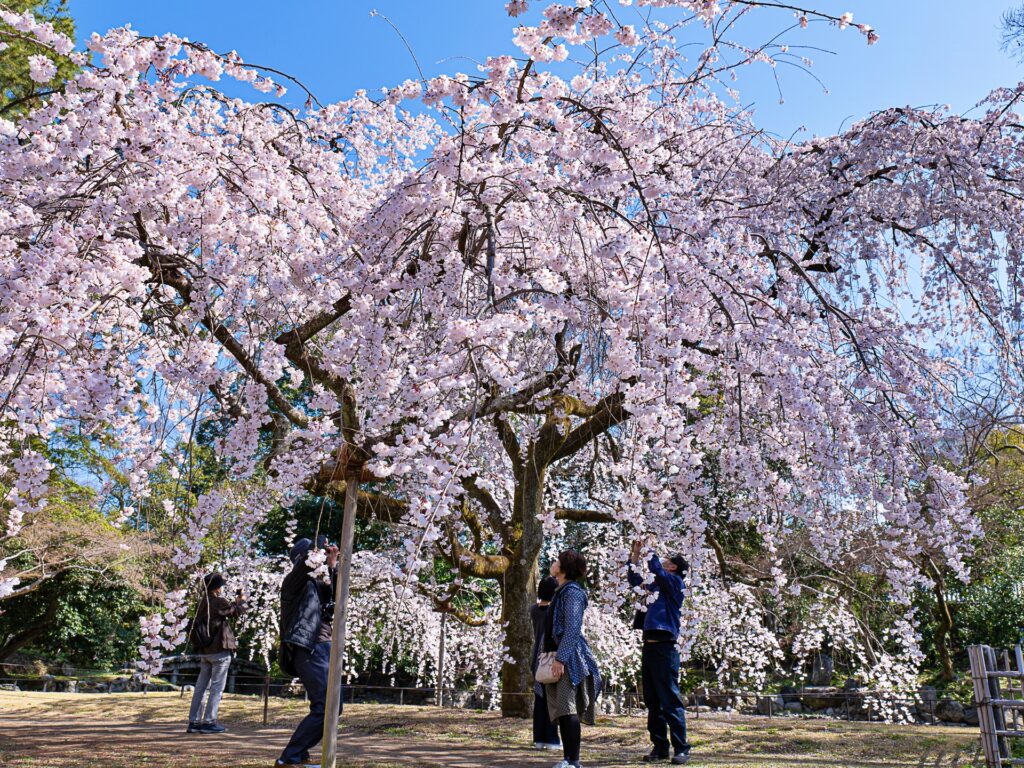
[352, 475]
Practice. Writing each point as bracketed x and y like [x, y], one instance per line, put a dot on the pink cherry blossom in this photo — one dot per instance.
[41, 68]
[542, 294]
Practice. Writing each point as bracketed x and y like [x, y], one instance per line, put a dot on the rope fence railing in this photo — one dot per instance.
[860, 704]
[793, 691]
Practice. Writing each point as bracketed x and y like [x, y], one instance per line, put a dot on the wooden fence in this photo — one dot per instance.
[999, 692]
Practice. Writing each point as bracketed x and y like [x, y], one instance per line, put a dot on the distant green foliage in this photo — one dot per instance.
[96, 625]
[991, 610]
[16, 86]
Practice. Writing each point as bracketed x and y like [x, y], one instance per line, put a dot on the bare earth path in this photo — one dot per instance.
[127, 730]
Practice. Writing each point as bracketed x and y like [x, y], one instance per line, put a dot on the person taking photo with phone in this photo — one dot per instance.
[659, 665]
[307, 613]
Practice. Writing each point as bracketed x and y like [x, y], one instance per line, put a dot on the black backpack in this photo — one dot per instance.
[197, 631]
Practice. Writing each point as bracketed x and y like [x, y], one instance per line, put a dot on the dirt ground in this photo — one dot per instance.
[128, 730]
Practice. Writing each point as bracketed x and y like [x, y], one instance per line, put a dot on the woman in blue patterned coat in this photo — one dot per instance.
[574, 697]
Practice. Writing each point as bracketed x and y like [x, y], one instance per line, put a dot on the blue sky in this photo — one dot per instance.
[931, 51]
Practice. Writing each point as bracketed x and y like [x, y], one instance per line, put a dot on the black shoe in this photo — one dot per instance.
[681, 758]
[656, 757]
[194, 728]
[212, 728]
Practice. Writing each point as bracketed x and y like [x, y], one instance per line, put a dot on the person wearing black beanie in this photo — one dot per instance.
[213, 640]
[307, 613]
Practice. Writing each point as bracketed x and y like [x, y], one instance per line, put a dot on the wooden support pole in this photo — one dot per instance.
[336, 670]
[440, 660]
[266, 697]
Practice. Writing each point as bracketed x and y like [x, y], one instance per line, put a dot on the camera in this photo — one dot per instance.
[327, 611]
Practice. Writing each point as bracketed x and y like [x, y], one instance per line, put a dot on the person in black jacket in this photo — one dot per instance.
[307, 611]
[545, 733]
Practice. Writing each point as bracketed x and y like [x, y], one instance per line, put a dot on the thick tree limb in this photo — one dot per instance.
[608, 413]
[510, 443]
[583, 515]
[371, 505]
[491, 507]
[445, 606]
[34, 630]
[176, 280]
[303, 332]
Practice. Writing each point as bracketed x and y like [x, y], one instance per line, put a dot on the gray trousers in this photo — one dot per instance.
[213, 673]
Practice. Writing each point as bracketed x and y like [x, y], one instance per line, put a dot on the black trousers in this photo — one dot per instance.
[665, 711]
[312, 667]
[544, 731]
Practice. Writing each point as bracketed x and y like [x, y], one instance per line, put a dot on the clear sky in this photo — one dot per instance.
[931, 51]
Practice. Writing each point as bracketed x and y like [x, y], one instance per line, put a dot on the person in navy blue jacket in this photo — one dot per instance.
[660, 659]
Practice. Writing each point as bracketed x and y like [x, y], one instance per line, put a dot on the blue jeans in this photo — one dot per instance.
[213, 672]
[312, 667]
[659, 668]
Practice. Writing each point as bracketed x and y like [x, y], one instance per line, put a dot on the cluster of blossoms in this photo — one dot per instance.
[586, 21]
[727, 630]
[887, 665]
[614, 265]
[163, 632]
[8, 584]
[397, 623]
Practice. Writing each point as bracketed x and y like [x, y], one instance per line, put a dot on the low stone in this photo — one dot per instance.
[928, 695]
[118, 685]
[949, 711]
[795, 707]
[821, 671]
[746, 701]
[770, 705]
[970, 715]
[789, 693]
[720, 700]
[821, 698]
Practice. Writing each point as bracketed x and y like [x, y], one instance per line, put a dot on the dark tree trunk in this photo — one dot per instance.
[519, 593]
[944, 617]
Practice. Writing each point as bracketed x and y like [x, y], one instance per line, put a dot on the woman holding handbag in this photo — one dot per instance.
[568, 669]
